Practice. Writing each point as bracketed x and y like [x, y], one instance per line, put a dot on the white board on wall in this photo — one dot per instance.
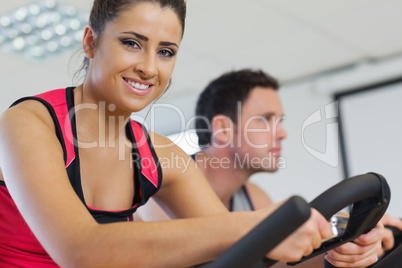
[371, 130]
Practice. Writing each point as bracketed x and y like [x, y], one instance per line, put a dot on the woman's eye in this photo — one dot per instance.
[130, 43]
[166, 53]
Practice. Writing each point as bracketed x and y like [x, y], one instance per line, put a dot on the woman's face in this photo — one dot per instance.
[133, 60]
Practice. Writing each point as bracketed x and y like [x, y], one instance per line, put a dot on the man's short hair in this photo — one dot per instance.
[222, 95]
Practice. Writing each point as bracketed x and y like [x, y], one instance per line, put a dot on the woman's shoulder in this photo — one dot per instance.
[162, 144]
[174, 160]
[38, 108]
[159, 139]
[26, 113]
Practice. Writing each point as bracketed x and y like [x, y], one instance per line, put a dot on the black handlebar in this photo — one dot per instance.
[350, 191]
[369, 194]
[263, 238]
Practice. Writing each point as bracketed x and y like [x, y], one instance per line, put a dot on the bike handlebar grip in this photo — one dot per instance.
[349, 192]
[370, 196]
[265, 236]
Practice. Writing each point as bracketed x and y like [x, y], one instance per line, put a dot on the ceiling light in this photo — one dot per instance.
[5, 21]
[42, 29]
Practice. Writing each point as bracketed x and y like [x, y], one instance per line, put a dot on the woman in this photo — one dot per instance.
[84, 162]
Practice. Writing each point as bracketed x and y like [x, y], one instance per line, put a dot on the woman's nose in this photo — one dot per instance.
[147, 65]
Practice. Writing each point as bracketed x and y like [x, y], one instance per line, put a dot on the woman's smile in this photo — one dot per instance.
[138, 87]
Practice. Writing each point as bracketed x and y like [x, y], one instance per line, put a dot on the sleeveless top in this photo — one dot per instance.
[241, 201]
[18, 245]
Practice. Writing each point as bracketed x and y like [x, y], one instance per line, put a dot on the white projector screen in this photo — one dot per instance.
[371, 135]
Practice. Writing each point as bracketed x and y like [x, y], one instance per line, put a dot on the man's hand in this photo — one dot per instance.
[363, 251]
[388, 239]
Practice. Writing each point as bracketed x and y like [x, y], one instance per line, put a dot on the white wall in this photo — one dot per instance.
[372, 133]
[32, 77]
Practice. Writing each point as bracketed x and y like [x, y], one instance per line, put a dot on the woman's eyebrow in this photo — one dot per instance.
[165, 43]
[139, 36]
[146, 39]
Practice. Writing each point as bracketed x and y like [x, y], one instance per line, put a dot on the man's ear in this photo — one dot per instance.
[88, 42]
[222, 130]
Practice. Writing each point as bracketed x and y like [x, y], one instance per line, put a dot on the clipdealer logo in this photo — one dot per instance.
[331, 154]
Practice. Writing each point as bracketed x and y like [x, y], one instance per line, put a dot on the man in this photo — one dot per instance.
[238, 124]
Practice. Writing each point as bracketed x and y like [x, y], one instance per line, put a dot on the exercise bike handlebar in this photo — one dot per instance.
[350, 191]
[369, 194]
[250, 249]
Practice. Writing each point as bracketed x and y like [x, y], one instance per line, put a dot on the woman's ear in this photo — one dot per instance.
[88, 42]
[222, 130]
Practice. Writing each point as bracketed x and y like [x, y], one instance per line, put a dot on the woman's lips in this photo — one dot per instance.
[137, 88]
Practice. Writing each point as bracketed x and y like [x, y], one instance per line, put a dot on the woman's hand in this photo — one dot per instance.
[304, 240]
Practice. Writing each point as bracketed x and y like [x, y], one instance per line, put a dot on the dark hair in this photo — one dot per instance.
[222, 95]
[105, 11]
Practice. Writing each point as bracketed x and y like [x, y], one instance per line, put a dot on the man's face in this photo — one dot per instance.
[258, 133]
